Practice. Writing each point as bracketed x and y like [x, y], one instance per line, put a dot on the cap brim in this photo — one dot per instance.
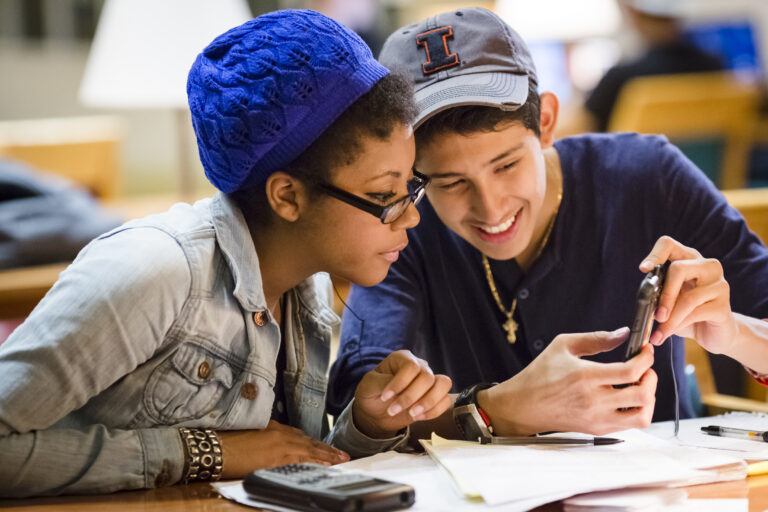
[502, 90]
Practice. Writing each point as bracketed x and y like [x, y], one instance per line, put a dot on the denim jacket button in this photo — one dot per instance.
[204, 370]
[249, 390]
[260, 318]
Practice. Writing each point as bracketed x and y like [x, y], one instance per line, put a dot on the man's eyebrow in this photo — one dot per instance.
[505, 154]
[395, 174]
[493, 160]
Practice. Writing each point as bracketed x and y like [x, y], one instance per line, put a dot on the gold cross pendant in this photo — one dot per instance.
[511, 327]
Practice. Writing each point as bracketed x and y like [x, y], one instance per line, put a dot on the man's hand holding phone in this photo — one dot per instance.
[645, 309]
[695, 301]
[561, 391]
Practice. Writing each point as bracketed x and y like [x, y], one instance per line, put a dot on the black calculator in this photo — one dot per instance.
[310, 486]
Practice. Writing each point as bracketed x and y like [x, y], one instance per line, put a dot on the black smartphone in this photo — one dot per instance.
[647, 299]
[314, 487]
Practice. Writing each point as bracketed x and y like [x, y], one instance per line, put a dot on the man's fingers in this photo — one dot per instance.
[587, 344]
[640, 394]
[689, 307]
[683, 275]
[667, 248]
[623, 373]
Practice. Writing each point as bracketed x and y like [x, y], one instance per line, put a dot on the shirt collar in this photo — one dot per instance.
[236, 244]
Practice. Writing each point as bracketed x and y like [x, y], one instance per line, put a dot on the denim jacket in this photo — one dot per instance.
[157, 324]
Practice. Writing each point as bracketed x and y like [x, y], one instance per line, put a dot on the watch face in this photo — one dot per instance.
[470, 424]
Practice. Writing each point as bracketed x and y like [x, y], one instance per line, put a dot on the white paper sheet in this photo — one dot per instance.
[434, 489]
[508, 474]
[691, 435]
[513, 478]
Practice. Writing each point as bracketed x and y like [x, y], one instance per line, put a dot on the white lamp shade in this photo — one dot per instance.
[560, 20]
[143, 49]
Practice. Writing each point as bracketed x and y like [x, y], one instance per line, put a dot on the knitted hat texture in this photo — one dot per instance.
[262, 92]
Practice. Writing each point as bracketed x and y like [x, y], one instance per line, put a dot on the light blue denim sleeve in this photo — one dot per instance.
[108, 313]
[345, 436]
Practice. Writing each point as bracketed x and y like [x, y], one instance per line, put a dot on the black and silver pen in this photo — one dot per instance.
[555, 440]
[736, 433]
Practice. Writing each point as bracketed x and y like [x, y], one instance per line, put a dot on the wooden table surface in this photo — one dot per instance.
[201, 497]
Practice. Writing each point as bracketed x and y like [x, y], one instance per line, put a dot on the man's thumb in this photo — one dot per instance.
[587, 344]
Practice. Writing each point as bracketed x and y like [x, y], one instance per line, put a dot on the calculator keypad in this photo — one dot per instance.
[314, 475]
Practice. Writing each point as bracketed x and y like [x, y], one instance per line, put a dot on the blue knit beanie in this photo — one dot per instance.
[262, 92]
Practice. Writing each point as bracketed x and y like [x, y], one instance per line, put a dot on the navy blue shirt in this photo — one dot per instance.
[621, 192]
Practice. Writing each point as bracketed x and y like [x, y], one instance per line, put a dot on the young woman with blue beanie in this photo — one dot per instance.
[194, 344]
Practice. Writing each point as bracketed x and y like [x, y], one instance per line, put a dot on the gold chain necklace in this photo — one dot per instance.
[510, 325]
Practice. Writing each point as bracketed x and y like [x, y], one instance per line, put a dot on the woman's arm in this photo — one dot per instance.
[108, 313]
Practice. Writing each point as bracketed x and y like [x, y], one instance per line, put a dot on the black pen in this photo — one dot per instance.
[736, 433]
[555, 440]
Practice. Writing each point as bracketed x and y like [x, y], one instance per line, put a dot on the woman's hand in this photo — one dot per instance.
[400, 390]
[246, 450]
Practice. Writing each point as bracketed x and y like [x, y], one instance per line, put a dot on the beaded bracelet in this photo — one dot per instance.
[203, 454]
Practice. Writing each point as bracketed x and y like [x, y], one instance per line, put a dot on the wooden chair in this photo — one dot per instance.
[695, 107]
[714, 402]
[84, 150]
[753, 205]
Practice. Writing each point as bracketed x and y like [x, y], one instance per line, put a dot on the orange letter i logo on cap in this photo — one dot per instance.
[435, 43]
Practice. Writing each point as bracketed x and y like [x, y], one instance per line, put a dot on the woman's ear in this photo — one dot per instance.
[549, 110]
[287, 196]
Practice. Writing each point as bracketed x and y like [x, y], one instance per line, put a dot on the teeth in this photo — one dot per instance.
[501, 227]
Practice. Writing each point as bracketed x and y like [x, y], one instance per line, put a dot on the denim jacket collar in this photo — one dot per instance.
[236, 244]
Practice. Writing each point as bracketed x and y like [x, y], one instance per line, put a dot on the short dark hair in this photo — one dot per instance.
[375, 114]
[477, 118]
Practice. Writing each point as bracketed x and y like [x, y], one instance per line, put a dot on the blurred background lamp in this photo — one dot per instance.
[142, 52]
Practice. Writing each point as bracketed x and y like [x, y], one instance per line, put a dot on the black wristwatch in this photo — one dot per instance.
[471, 420]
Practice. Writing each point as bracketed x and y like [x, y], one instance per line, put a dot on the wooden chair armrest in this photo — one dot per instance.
[718, 403]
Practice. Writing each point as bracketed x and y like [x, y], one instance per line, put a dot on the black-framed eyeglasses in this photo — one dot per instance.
[387, 213]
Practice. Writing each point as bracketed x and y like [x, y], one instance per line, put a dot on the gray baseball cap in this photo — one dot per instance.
[464, 57]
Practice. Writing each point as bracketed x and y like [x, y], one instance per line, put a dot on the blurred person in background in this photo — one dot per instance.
[658, 25]
[362, 16]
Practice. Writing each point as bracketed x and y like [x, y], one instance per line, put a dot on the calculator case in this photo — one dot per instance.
[366, 494]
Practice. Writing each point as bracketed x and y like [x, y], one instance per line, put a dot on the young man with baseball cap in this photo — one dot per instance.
[523, 239]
